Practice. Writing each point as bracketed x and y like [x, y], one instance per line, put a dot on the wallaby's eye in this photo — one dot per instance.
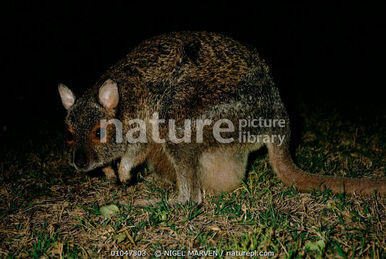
[69, 135]
[98, 133]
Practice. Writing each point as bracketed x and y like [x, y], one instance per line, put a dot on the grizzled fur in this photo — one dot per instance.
[189, 75]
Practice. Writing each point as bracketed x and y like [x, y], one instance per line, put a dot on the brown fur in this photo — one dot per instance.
[160, 164]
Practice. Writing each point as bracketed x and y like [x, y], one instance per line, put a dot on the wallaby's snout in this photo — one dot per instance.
[80, 159]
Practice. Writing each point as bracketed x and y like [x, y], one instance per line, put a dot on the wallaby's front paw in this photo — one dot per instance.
[124, 180]
[124, 171]
[124, 177]
[110, 173]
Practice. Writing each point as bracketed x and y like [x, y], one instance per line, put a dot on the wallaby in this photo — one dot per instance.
[198, 76]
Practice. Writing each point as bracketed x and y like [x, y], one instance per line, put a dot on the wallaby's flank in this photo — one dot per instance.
[198, 76]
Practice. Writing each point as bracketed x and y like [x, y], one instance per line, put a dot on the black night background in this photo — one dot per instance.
[322, 53]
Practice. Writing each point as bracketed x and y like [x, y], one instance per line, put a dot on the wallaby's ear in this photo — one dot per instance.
[68, 98]
[108, 94]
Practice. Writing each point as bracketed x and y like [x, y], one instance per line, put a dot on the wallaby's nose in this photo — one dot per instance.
[80, 159]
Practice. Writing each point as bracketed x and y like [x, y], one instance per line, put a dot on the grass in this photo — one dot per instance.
[48, 210]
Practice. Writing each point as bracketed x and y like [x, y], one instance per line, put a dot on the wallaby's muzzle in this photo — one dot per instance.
[81, 161]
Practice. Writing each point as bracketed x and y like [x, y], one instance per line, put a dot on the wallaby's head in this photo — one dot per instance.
[89, 142]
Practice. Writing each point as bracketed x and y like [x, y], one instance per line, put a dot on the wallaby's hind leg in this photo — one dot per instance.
[222, 170]
[160, 164]
[185, 163]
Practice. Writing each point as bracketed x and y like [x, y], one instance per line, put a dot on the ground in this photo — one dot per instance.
[49, 210]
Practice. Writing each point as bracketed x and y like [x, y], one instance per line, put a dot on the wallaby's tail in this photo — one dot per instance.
[291, 175]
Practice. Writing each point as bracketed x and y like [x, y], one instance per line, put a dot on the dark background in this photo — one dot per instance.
[319, 54]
